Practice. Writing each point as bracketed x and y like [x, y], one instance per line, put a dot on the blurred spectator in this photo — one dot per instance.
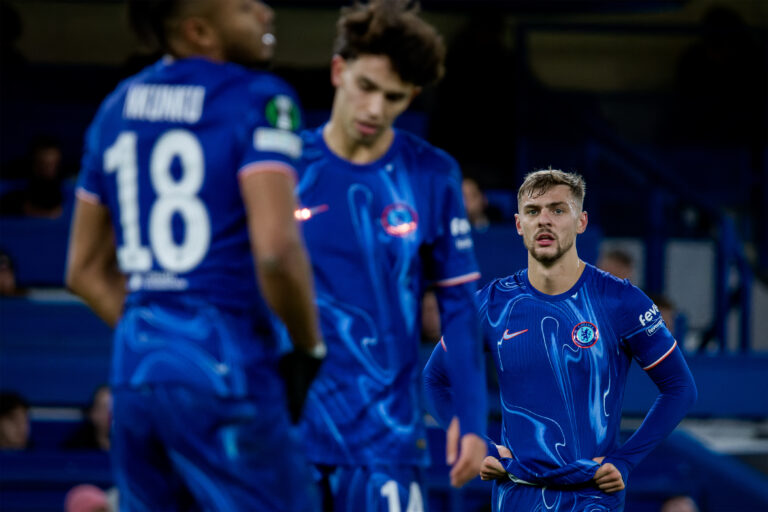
[617, 262]
[479, 213]
[676, 321]
[430, 318]
[93, 434]
[14, 422]
[8, 286]
[42, 197]
[679, 504]
[86, 498]
[666, 308]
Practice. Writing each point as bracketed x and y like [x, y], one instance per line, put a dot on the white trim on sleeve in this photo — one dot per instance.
[661, 358]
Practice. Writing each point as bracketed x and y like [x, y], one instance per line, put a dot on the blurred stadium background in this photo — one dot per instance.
[661, 104]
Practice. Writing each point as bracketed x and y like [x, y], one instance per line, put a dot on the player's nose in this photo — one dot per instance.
[544, 218]
[376, 105]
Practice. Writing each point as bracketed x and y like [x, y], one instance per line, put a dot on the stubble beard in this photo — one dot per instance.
[549, 260]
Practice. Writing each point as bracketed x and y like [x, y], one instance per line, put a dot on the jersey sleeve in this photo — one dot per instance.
[437, 387]
[465, 365]
[452, 260]
[272, 141]
[642, 328]
[655, 349]
[90, 185]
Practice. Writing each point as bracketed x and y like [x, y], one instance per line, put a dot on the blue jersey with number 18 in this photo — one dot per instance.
[164, 154]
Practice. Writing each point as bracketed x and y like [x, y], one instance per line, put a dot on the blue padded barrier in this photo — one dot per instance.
[38, 247]
[53, 353]
[39, 480]
[728, 385]
[682, 465]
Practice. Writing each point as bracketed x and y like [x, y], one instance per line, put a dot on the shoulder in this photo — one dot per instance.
[605, 280]
[115, 98]
[312, 144]
[501, 289]
[111, 107]
[610, 285]
[431, 159]
[237, 83]
[312, 137]
[619, 296]
[264, 82]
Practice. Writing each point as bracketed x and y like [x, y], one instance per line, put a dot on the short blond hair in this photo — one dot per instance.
[537, 183]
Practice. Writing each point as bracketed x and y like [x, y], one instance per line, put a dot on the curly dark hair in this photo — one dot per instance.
[392, 28]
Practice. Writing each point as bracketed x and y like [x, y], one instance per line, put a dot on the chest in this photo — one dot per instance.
[380, 211]
[567, 339]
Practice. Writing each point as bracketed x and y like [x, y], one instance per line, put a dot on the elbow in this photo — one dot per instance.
[73, 280]
[693, 394]
[80, 279]
[279, 256]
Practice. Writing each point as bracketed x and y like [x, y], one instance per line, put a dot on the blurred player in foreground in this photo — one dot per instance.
[188, 173]
[562, 335]
[383, 219]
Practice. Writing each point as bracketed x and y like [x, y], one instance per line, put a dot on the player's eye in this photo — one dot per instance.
[366, 86]
[395, 97]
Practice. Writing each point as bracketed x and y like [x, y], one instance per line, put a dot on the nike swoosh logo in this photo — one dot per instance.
[303, 214]
[508, 336]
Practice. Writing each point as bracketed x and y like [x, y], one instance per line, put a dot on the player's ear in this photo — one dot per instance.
[583, 221]
[517, 225]
[198, 32]
[338, 65]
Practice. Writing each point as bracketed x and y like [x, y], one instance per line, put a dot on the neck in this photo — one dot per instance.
[352, 150]
[558, 277]
[180, 48]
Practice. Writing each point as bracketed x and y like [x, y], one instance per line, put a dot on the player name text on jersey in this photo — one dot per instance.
[174, 103]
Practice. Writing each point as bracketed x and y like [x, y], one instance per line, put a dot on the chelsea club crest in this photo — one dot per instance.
[399, 219]
[585, 334]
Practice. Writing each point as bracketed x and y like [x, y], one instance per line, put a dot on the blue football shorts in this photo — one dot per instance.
[380, 488]
[178, 448]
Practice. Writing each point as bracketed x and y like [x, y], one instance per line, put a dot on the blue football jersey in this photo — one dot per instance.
[377, 235]
[164, 153]
[562, 363]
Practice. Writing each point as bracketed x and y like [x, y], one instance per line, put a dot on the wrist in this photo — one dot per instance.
[318, 350]
[493, 450]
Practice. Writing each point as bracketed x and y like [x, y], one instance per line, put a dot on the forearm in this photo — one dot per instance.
[437, 388]
[103, 291]
[464, 362]
[92, 270]
[677, 392]
[286, 284]
[282, 265]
